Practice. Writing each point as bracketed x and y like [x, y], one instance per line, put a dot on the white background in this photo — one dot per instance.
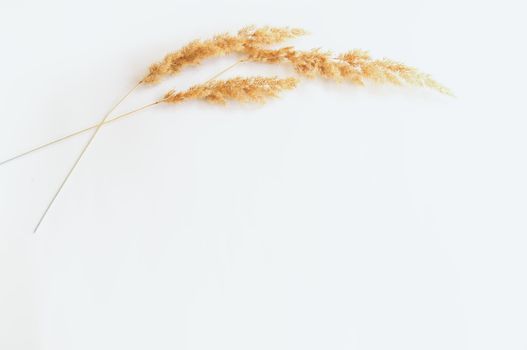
[335, 217]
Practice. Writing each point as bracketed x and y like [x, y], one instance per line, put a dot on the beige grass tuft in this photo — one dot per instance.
[253, 89]
[223, 44]
[355, 66]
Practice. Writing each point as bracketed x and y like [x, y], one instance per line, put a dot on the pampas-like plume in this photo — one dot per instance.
[354, 66]
[253, 89]
[196, 51]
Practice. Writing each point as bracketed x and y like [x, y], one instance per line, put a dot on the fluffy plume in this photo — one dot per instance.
[196, 51]
[355, 66]
[254, 89]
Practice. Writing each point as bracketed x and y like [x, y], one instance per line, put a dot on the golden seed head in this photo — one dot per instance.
[354, 66]
[223, 44]
[253, 89]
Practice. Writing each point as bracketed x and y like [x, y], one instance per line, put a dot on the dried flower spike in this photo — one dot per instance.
[355, 66]
[254, 89]
[196, 51]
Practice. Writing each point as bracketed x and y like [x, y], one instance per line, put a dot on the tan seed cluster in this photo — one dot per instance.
[196, 51]
[253, 89]
[355, 66]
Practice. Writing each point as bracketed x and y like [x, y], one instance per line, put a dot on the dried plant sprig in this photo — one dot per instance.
[355, 66]
[220, 45]
[253, 89]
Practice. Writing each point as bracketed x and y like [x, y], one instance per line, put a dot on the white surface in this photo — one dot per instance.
[332, 218]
